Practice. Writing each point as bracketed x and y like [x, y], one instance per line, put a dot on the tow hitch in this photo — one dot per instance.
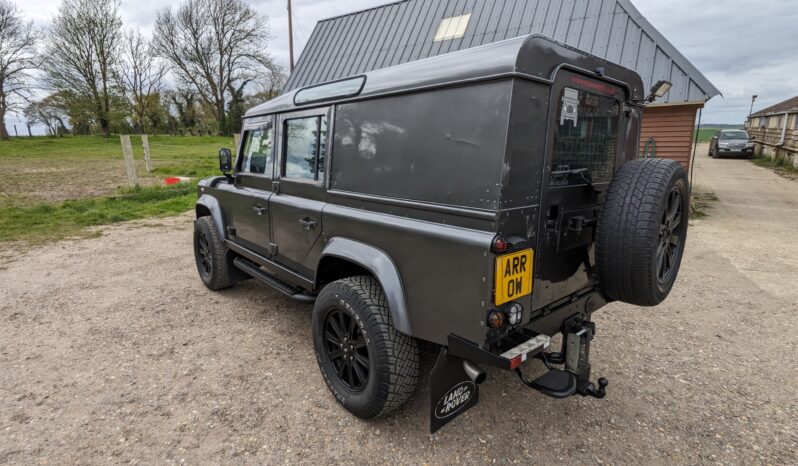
[455, 379]
[575, 356]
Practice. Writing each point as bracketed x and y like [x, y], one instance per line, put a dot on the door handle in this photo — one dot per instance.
[259, 210]
[307, 223]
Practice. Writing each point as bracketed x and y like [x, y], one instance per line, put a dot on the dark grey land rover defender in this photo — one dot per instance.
[483, 201]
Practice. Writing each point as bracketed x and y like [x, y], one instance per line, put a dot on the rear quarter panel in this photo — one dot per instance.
[419, 176]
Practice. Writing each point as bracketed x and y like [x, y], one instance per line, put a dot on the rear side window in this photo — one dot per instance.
[305, 148]
[587, 138]
[258, 154]
[334, 90]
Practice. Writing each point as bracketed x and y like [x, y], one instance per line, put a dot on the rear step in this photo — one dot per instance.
[256, 272]
[555, 383]
[558, 383]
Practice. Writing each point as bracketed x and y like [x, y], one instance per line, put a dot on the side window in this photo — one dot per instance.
[258, 153]
[305, 148]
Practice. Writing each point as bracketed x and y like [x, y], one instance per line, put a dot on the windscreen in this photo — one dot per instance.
[733, 135]
[586, 141]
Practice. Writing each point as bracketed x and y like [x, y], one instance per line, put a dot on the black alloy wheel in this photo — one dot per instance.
[214, 261]
[670, 236]
[345, 346]
[204, 255]
[369, 366]
[642, 231]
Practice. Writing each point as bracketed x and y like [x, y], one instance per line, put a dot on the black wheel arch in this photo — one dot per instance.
[345, 257]
[208, 206]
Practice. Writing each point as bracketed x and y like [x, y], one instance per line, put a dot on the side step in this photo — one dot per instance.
[293, 292]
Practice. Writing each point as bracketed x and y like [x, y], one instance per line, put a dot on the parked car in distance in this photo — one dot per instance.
[481, 201]
[731, 142]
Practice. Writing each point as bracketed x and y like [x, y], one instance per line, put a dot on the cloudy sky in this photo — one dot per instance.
[743, 47]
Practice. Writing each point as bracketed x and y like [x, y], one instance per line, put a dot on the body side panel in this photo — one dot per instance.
[443, 270]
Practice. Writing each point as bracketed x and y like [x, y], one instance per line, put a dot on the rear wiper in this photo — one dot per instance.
[583, 173]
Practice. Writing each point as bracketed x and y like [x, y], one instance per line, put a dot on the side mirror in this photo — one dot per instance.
[225, 160]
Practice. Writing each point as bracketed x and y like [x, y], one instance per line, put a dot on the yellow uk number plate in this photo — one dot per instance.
[513, 276]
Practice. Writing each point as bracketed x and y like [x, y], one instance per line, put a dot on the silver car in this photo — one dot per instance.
[728, 142]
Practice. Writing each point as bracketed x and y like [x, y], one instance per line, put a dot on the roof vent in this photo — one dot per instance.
[452, 28]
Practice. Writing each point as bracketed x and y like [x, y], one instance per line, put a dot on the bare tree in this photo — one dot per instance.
[82, 54]
[141, 78]
[267, 88]
[18, 57]
[215, 46]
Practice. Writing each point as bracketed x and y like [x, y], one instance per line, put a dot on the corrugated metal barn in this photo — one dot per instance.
[411, 30]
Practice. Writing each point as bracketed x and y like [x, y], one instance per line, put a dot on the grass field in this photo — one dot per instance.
[705, 134]
[56, 187]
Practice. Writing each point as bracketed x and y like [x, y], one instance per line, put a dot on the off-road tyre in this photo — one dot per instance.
[631, 231]
[220, 273]
[393, 357]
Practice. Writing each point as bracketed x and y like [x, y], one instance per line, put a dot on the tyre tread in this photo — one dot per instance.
[628, 229]
[220, 275]
[397, 351]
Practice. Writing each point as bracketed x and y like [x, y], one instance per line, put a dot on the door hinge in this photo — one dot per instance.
[231, 231]
[276, 187]
[272, 249]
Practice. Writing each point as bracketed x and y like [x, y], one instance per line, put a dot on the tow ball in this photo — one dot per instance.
[574, 378]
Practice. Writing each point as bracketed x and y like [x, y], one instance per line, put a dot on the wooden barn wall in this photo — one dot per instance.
[673, 129]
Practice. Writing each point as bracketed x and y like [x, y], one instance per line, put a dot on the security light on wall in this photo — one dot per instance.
[659, 90]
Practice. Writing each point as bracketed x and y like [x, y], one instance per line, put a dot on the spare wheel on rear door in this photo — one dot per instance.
[642, 231]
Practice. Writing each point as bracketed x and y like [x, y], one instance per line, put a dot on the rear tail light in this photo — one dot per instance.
[516, 361]
[496, 319]
[500, 245]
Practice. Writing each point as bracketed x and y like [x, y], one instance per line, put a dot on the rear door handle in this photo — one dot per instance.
[259, 210]
[307, 223]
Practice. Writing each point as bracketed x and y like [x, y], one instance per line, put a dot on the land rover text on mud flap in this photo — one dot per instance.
[482, 201]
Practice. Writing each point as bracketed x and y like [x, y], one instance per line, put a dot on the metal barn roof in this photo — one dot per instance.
[533, 57]
[406, 30]
[788, 106]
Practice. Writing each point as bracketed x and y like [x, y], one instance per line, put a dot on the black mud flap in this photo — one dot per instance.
[452, 390]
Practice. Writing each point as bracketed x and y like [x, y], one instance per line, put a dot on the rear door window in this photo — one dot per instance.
[305, 148]
[586, 141]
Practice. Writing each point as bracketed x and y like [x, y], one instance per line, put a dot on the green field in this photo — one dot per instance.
[57, 187]
[705, 134]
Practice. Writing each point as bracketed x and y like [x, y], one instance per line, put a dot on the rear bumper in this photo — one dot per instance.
[455, 379]
[503, 351]
[526, 345]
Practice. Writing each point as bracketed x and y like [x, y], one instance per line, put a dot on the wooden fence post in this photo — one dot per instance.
[147, 160]
[236, 141]
[130, 167]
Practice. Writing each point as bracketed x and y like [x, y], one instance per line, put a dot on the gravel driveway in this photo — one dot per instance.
[112, 351]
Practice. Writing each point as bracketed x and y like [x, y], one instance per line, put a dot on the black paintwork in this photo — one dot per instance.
[423, 169]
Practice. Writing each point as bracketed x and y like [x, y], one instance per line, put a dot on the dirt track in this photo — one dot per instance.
[112, 351]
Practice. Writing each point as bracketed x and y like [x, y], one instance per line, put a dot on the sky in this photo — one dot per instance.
[742, 47]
